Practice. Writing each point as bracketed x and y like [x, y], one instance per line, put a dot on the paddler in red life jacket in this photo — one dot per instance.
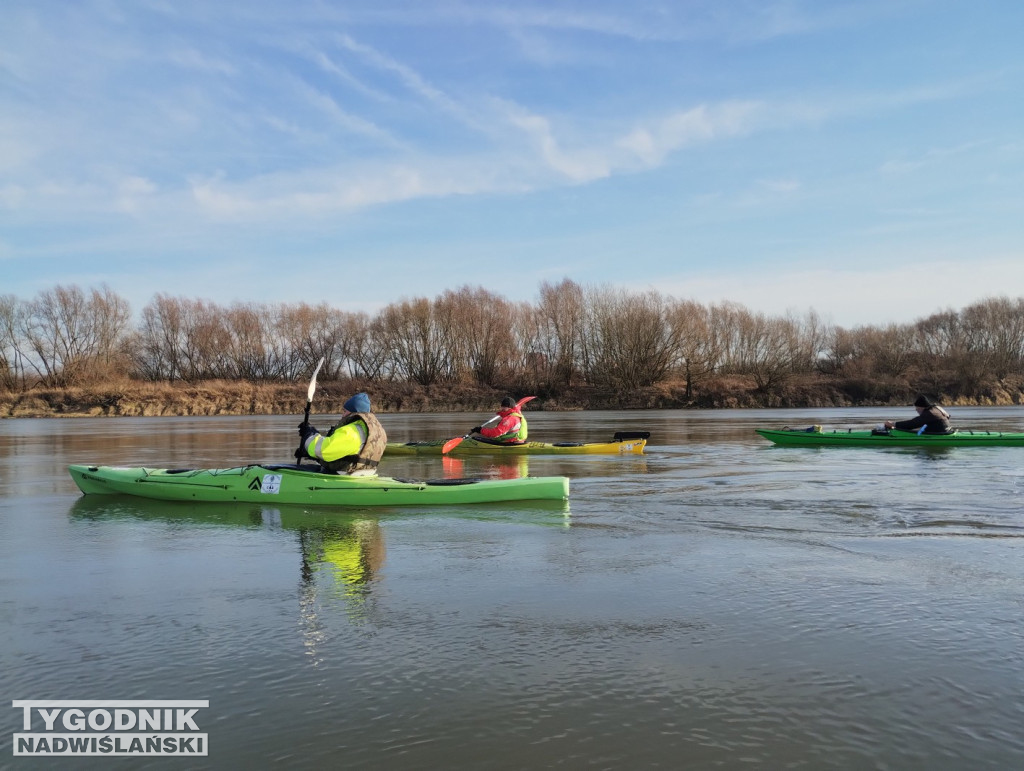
[509, 425]
[355, 443]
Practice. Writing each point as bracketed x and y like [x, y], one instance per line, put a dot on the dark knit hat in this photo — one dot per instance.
[923, 401]
[358, 403]
[508, 401]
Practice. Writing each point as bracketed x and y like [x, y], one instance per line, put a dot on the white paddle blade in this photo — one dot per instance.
[312, 383]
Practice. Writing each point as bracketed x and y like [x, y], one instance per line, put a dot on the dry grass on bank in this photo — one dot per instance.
[131, 398]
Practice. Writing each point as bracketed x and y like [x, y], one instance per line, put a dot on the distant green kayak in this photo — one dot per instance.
[893, 438]
[623, 443]
[288, 484]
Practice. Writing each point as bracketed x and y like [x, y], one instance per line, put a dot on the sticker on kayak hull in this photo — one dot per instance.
[271, 484]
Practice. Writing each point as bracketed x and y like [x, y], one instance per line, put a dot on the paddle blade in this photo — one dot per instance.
[451, 444]
[312, 383]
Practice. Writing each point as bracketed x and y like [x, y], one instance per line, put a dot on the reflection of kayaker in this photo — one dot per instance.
[512, 467]
[353, 553]
[515, 467]
[345, 558]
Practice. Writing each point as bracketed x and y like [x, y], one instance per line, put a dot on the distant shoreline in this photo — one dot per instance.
[212, 398]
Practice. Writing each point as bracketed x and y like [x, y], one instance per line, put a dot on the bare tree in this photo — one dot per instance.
[994, 335]
[764, 348]
[840, 349]
[12, 357]
[182, 339]
[479, 334]
[700, 341]
[809, 340]
[74, 337]
[561, 320]
[889, 350]
[633, 346]
[415, 345]
[363, 346]
[159, 341]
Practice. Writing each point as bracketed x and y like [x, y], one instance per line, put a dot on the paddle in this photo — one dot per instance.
[300, 453]
[451, 444]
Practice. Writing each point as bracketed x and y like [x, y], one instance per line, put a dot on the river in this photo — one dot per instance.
[717, 602]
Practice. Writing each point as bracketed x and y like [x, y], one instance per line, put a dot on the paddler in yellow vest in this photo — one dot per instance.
[507, 427]
[355, 443]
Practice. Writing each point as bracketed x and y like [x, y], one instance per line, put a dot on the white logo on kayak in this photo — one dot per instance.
[271, 484]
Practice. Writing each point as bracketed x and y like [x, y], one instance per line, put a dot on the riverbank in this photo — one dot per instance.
[130, 398]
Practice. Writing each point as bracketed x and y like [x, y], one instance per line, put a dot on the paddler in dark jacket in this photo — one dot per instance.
[355, 443]
[930, 416]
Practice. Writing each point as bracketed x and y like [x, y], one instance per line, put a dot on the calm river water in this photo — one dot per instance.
[715, 603]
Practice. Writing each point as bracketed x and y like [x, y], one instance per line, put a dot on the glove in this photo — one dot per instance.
[306, 430]
[476, 430]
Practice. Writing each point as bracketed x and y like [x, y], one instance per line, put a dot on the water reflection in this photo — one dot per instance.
[501, 467]
[338, 562]
[341, 522]
[346, 545]
[521, 466]
[342, 552]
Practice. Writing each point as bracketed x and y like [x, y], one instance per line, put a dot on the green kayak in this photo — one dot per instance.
[623, 443]
[287, 484]
[814, 437]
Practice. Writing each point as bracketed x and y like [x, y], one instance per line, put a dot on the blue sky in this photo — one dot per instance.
[862, 159]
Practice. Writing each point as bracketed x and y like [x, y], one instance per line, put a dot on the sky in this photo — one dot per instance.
[864, 160]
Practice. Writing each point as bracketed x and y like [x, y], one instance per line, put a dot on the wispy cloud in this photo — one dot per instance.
[355, 124]
[651, 143]
[412, 80]
[329, 65]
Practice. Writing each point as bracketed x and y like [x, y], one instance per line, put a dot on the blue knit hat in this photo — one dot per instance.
[358, 403]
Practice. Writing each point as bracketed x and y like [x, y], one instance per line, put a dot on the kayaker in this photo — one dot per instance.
[509, 428]
[930, 417]
[355, 443]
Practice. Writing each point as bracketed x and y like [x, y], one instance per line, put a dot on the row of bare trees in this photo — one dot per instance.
[63, 337]
[572, 336]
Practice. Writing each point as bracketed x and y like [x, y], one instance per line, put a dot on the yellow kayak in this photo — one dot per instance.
[623, 443]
